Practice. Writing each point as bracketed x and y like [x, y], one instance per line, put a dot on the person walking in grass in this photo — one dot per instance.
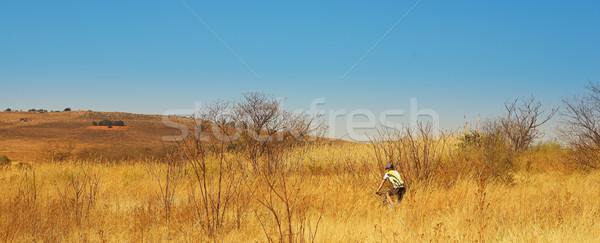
[396, 180]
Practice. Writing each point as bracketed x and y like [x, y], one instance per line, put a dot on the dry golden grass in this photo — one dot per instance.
[100, 202]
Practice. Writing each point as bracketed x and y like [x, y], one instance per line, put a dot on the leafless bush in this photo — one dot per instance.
[220, 184]
[522, 120]
[57, 151]
[260, 117]
[259, 113]
[217, 182]
[416, 153]
[216, 123]
[215, 177]
[168, 176]
[301, 127]
[78, 193]
[581, 128]
[288, 209]
[491, 152]
[258, 124]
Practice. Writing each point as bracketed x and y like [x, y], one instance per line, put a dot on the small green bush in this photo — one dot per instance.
[109, 123]
[105, 122]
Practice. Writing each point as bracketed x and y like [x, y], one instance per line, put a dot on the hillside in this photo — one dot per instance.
[29, 136]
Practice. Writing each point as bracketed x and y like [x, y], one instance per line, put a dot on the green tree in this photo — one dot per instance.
[94, 123]
[68, 109]
[105, 122]
[8, 109]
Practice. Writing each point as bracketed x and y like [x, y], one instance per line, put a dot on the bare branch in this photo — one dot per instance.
[522, 118]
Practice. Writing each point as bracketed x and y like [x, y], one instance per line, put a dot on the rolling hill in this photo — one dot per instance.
[30, 136]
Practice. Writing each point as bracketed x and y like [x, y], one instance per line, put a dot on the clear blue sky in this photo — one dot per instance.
[457, 57]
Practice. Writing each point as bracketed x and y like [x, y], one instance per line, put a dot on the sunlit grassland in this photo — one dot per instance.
[332, 199]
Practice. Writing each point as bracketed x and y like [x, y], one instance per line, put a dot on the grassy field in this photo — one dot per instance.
[323, 193]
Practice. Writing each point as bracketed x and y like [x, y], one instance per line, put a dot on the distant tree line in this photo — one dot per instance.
[108, 123]
[38, 110]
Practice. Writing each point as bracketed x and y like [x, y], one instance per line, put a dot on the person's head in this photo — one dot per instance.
[389, 167]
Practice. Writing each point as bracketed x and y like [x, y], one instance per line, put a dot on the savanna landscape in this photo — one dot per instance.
[299, 121]
[254, 172]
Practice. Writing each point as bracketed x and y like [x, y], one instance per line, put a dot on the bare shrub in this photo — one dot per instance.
[257, 125]
[78, 191]
[260, 117]
[302, 127]
[288, 217]
[522, 120]
[57, 151]
[581, 129]
[214, 180]
[168, 176]
[220, 186]
[416, 153]
[217, 181]
[492, 151]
